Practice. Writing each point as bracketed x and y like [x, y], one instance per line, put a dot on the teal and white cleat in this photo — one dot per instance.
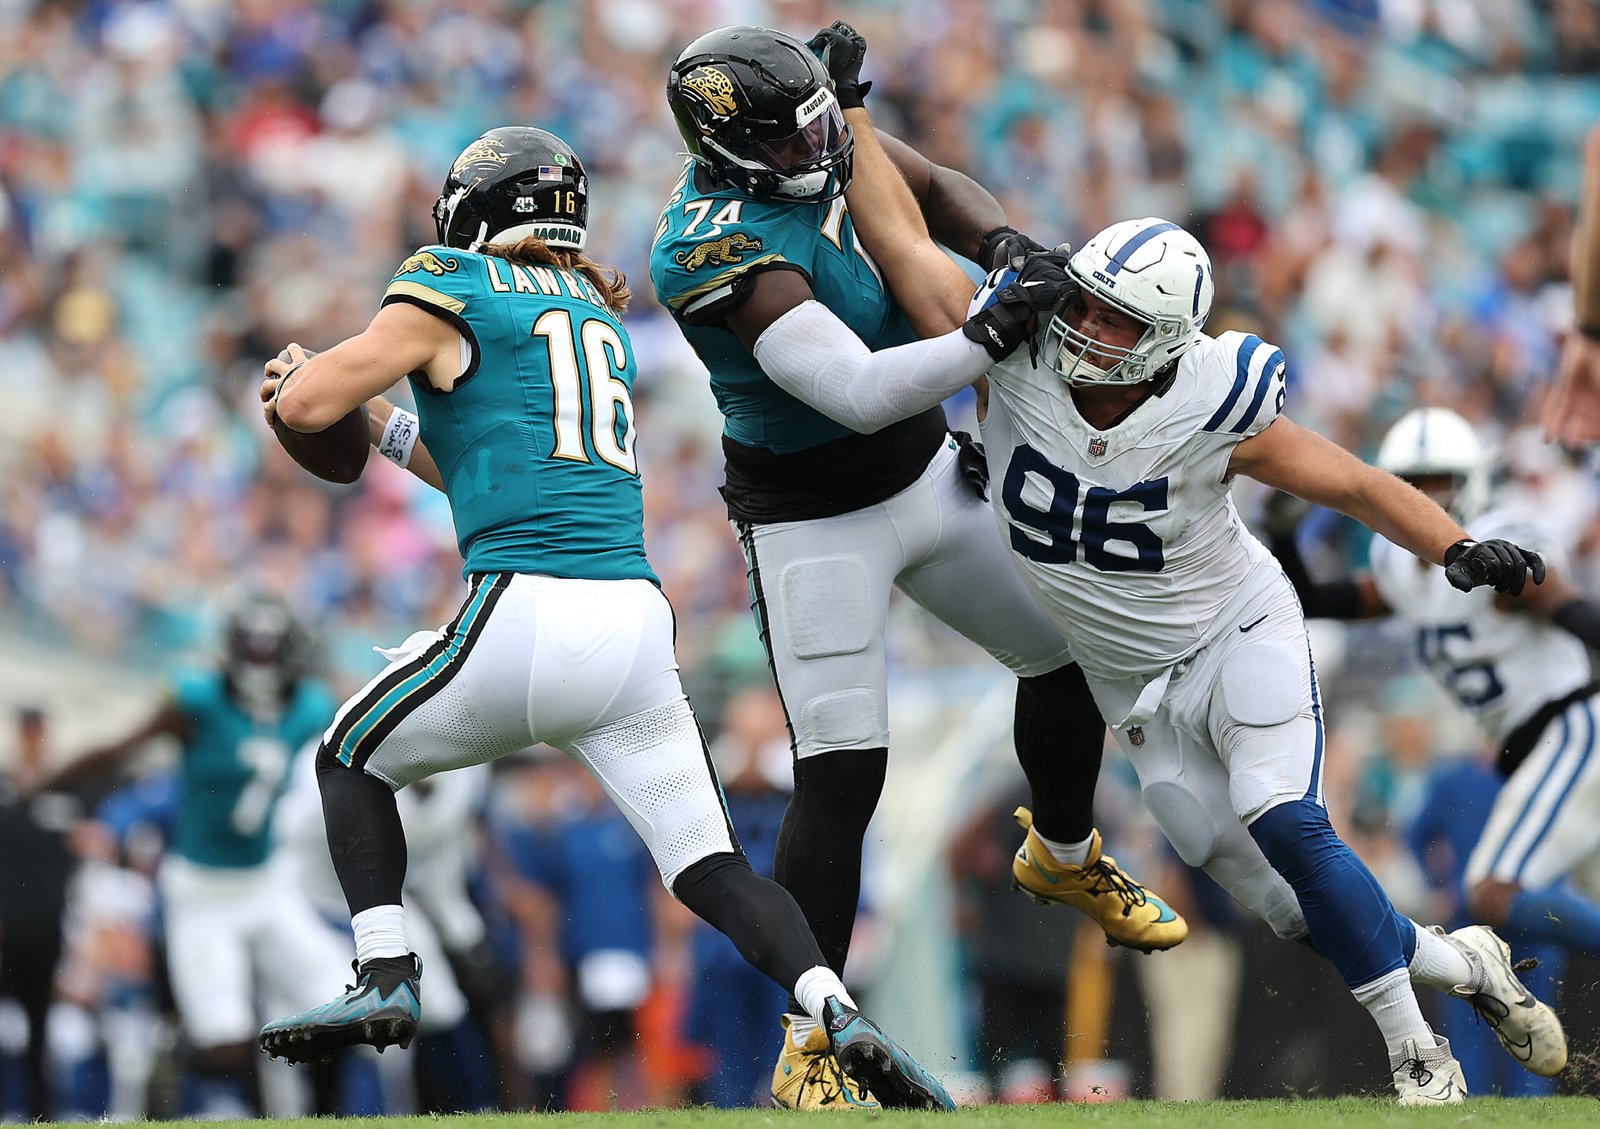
[874, 1060]
[381, 1009]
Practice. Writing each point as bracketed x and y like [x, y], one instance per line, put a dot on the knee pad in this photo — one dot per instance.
[1188, 826]
[837, 721]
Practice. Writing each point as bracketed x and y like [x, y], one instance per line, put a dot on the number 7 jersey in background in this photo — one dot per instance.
[535, 441]
[1128, 534]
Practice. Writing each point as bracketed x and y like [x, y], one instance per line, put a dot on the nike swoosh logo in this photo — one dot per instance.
[1248, 627]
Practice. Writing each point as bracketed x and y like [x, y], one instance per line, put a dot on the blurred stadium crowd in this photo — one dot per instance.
[1386, 188]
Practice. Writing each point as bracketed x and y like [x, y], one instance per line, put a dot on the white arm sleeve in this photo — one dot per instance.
[816, 358]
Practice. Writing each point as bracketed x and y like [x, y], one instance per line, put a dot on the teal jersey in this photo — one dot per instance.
[235, 768]
[707, 241]
[536, 440]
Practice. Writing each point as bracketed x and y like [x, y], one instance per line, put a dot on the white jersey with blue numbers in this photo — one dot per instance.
[1502, 666]
[1128, 534]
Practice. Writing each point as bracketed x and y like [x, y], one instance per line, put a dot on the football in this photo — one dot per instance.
[338, 453]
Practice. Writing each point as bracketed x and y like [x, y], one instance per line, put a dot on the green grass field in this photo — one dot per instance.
[1335, 1113]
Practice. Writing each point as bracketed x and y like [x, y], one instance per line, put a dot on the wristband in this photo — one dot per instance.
[399, 437]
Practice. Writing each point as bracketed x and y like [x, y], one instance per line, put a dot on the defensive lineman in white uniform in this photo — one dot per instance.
[1111, 465]
[1520, 666]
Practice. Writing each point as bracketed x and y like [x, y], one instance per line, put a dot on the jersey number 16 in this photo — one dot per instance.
[605, 355]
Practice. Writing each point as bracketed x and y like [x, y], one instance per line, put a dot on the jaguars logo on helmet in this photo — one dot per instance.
[757, 111]
[511, 183]
[715, 88]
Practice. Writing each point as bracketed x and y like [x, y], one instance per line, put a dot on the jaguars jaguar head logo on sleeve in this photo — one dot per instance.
[428, 261]
[718, 252]
[713, 88]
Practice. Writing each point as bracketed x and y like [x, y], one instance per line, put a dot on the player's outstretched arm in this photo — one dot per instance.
[887, 211]
[312, 394]
[1309, 466]
[167, 721]
[930, 287]
[1572, 412]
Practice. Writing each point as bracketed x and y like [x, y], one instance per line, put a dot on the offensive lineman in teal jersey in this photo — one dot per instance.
[513, 341]
[232, 925]
[755, 245]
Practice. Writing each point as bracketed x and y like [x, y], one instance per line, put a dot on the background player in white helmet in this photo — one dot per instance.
[1519, 664]
[1111, 457]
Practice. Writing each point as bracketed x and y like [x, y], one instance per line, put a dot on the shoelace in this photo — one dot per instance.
[1108, 879]
[826, 1074]
[1419, 1072]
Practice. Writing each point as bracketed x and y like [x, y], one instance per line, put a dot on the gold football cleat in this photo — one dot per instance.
[808, 1076]
[1130, 914]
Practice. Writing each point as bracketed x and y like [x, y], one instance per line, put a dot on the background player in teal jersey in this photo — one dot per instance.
[233, 927]
[513, 341]
[756, 234]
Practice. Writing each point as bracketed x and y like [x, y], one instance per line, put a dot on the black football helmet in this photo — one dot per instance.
[265, 655]
[511, 183]
[757, 110]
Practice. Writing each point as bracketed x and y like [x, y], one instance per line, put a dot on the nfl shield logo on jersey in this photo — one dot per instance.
[1136, 735]
[1097, 445]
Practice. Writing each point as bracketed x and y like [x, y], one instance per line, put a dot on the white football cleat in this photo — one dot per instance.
[1526, 1028]
[1431, 1077]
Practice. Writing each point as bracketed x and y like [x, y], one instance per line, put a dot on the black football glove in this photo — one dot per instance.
[1006, 247]
[1013, 317]
[1499, 564]
[972, 463]
[842, 50]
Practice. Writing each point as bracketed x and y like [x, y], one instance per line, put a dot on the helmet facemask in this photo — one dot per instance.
[1082, 360]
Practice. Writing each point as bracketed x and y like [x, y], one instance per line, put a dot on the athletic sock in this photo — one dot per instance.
[1392, 1003]
[800, 1028]
[380, 932]
[815, 986]
[1557, 914]
[1438, 963]
[1067, 854]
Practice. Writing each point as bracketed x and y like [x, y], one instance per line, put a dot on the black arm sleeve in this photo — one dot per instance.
[1332, 599]
[1579, 618]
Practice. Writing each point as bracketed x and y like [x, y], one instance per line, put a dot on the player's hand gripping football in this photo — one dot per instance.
[1499, 564]
[1011, 316]
[276, 369]
[842, 50]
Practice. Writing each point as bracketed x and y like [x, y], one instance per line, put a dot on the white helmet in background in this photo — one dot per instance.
[1152, 270]
[1437, 442]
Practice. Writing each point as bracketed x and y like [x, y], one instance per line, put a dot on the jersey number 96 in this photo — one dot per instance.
[1062, 527]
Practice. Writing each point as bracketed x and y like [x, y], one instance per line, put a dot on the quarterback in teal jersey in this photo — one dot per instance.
[233, 926]
[513, 341]
[756, 258]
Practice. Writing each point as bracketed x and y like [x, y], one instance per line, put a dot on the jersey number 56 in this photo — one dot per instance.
[1064, 525]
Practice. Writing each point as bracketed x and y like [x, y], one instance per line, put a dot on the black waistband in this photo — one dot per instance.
[1520, 741]
[833, 478]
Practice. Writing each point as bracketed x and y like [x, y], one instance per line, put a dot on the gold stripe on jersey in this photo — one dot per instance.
[425, 294]
[717, 282]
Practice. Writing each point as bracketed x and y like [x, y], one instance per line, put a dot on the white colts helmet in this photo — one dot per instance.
[1152, 270]
[1437, 442]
